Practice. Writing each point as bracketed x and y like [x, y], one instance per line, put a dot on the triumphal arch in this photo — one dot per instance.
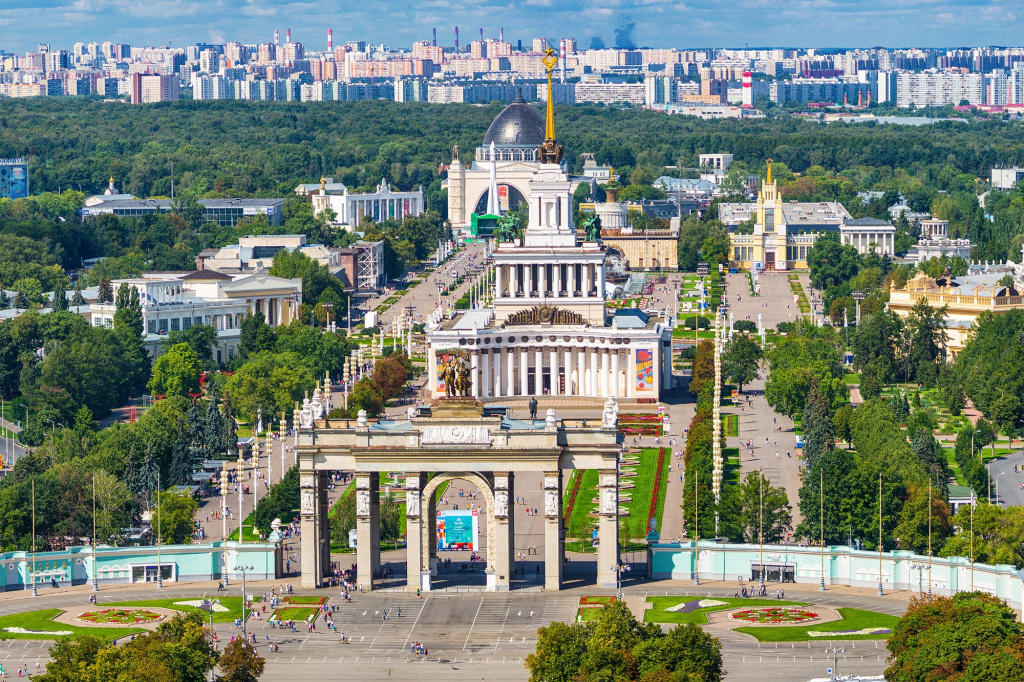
[456, 441]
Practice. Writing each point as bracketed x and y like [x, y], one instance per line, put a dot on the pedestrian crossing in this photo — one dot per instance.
[488, 624]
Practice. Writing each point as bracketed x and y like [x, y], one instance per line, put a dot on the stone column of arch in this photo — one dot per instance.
[608, 527]
[554, 533]
[414, 513]
[367, 528]
[503, 518]
[315, 524]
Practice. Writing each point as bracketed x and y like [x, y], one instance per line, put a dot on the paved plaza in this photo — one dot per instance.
[470, 635]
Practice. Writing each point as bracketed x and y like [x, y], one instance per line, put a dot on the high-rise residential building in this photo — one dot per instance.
[59, 60]
[540, 44]
[293, 52]
[410, 90]
[660, 90]
[236, 53]
[478, 49]
[887, 85]
[1015, 84]
[832, 90]
[209, 61]
[997, 88]
[148, 88]
[938, 88]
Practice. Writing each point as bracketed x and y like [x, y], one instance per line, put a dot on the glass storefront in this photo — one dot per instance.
[774, 573]
[147, 574]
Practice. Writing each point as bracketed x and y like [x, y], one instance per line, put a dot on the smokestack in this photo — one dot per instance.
[748, 84]
[277, 38]
[456, 40]
[561, 56]
[435, 38]
[481, 34]
[287, 35]
[501, 34]
[330, 39]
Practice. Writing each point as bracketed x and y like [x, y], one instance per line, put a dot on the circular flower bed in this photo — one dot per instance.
[773, 614]
[120, 616]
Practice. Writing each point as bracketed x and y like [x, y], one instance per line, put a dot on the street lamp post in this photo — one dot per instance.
[821, 526]
[696, 535]
[159, 534]
[35, 593]
[207, 605]
[244, 570]
[858, 296]
[835, 659]
[879, 533]
[95, 580]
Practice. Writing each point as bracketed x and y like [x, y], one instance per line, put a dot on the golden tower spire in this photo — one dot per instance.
[769, 179]
[549, 61]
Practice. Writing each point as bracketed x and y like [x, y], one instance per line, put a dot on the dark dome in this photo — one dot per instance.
[518, 124]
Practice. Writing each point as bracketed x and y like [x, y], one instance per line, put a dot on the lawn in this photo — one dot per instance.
[232, 604]
[732, 464]
[731, 424]
[250, 534]
[658, 614]
[300, 614]
[588, 614]
[45, 628]
[852, 379]
[853, 620]
[297, 599]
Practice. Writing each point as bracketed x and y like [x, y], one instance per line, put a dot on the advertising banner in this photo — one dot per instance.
[644, 370]
[457, 530]
[503, 197]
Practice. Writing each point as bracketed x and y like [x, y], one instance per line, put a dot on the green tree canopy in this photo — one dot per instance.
[176, 372]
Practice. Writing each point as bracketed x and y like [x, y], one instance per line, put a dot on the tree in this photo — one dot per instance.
[106, 291]
[129, 309]
[389, 376]
[842, 422]
[240, 662]
[741, 359]
[343, 520]
[60, 298]
[5, 302]
[77, 299]
[280, 502]
[764, 509]
[200, 337]
[716, 247]
[364, 396]
[21, 300]
[1006, 411]
[819, 431]
[559, 652]
[831, 262]
[176, 372]
[969, 636]
[255, 336]
[269, 382]
[912, 531]
[390, 519]
[686, 653]
[174, 516]
[316, 278]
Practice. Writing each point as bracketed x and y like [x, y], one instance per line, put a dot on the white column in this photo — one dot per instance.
[581, 372]
[601, 281]
[571, 274]
[554, 370]
[485, 378]
[592, 376]
[475, 373]
[569, 389]
[523, 355]
[498, 280]
[556, 276]
[510, 366]
[604, 372]
[538, 374]
[542, 280]
[615, 373]
[528, 276]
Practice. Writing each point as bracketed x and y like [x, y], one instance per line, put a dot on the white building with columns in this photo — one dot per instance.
[176, 301]
[548, 331]
[863, 233]
[349, 209]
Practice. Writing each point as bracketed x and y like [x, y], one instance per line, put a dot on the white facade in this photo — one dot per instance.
[938, 88]
[177, 302]
[1006, 178]
[384, 204]
[257, 251]
[865, 233]
[547, 331]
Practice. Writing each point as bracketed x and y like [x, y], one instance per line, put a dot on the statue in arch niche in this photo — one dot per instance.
[457, 383]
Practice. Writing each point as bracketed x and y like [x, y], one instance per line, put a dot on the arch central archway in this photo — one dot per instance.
[428, 502]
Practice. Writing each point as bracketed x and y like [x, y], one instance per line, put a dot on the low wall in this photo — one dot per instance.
[118, 565]
[900, 570]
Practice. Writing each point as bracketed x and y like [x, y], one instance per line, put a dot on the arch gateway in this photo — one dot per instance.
[455, 441]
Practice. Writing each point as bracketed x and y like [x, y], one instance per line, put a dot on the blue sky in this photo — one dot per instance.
[656, 23]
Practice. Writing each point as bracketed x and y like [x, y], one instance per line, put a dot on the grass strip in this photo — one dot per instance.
[853, 619]
[658, 614]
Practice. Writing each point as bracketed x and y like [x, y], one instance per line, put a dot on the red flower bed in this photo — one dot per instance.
[596, 601]
[572, 498]
[653, 509]
[631, 418]
[640, 430]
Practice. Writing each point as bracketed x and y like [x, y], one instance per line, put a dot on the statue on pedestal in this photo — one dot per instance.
[305, 415]
[533, 407]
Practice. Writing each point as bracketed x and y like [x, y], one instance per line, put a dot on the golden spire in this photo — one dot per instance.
[549, 61]
[769, 180]
[111, 179]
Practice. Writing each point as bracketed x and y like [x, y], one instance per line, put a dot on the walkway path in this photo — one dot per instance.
[756, 423]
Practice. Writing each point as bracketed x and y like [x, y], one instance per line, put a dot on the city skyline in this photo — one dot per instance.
[648, 23]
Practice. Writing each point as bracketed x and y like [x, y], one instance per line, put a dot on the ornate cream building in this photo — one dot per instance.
[783, 232]
[966, 299]
[548, 330]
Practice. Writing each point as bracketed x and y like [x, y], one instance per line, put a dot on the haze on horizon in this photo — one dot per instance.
[611, 23]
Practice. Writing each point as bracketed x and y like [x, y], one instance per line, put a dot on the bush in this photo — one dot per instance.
[370, 331]
[704, 322]
[745, 326]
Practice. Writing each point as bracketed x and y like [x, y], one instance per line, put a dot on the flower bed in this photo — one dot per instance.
[596, 601]
[640, 430]
[652, 511]
[572, 498]
[120, 616]
[636, 418]
[304, 601]
[773, 615]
